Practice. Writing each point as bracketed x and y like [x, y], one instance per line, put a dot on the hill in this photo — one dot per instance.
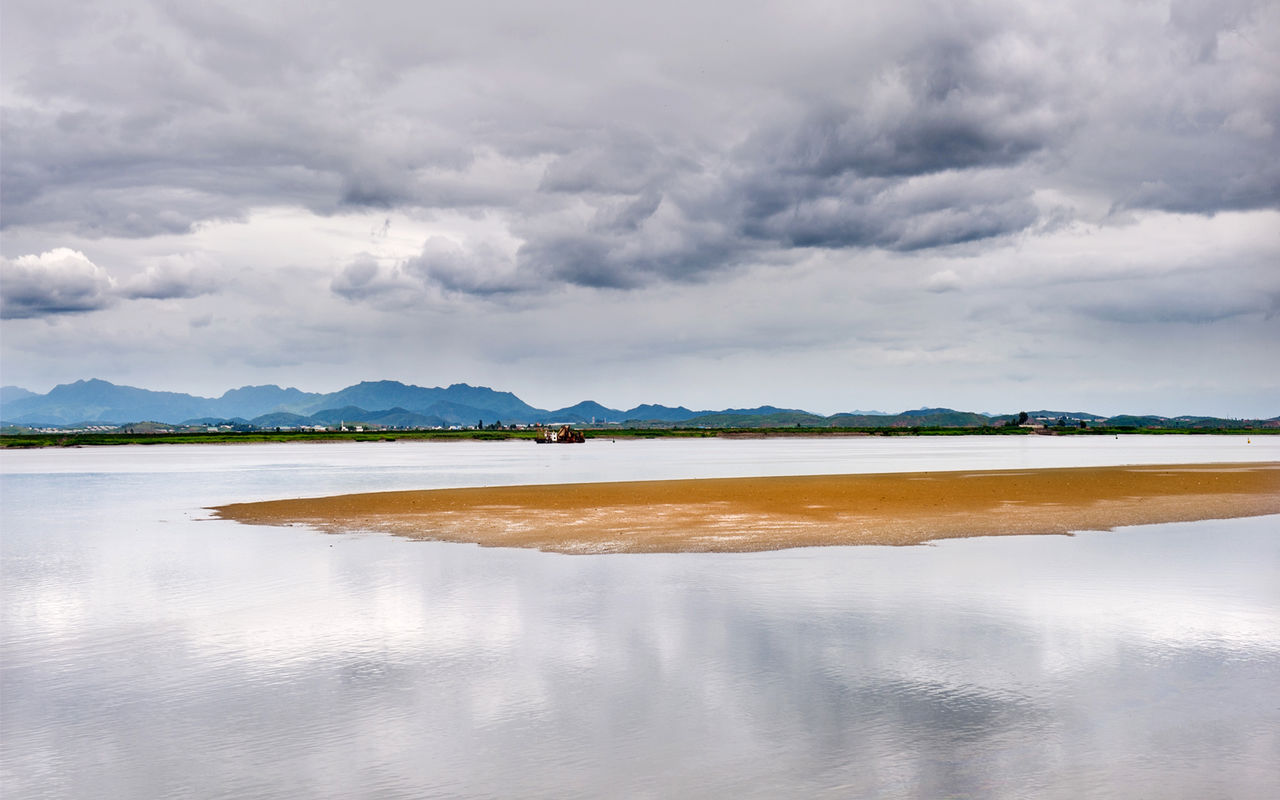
[586, 411]
[100, 401]
[9, 394]
[400, 405]
[652, 413]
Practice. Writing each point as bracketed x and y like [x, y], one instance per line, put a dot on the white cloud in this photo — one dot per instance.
[173, 276]
[944, 281]
[366, 279]
[60, 281]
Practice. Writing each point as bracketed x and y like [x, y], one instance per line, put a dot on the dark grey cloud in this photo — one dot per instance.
[483, 270]
[614, 162]
[628, 215]
[939, 109]
[443, 265]
[617, 263]
[847, 177]
[892, 214]
[173, 115]
[152, 121]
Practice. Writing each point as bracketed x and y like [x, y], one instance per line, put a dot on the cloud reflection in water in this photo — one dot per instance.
[147, 655]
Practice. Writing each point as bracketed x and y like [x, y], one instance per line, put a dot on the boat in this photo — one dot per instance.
[565, 435]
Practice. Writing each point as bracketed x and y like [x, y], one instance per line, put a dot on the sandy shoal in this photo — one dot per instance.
[741, 514]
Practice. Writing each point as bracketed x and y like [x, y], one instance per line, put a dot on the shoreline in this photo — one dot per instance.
[18, 440]
[772, 513]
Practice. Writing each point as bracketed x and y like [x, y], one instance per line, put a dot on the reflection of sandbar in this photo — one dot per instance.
[739, 514]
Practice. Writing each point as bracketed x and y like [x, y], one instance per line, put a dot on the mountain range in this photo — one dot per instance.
[386, 402]
[399, 405]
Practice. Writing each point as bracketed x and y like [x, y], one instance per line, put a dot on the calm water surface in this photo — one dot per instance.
[147, 651]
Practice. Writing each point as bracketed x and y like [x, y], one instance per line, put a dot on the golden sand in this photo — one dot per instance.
[740, 514]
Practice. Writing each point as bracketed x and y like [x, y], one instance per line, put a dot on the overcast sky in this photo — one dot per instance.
[832, 206]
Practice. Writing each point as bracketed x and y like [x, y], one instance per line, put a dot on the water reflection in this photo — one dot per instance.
[146, 655]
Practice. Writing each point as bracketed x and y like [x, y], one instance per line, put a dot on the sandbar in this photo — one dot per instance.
[750, 514]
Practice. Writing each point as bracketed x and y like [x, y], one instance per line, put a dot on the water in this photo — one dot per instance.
[148, 651]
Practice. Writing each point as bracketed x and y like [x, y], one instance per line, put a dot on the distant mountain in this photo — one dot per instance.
[502, 405]
[403, 405]
[1054, 415]
[1184, 422]
[1127, 420]
[253, 401]
[392, 418]
[941, 418]
[855, 420]
[777, 418]
[100, 401]
[462, 414]
[337, 416]
[460, 398]
[400, 418]
[8, 394]
[214, 421]
[103, 402]
[586, 411]
[757, 411]
[917, 418]
[371, 394]
[652, 413]
[280, 419]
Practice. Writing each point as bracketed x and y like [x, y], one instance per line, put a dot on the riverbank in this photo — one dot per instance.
[748, 514]
[11, 438]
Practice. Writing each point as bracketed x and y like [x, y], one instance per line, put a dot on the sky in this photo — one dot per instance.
[832, 206]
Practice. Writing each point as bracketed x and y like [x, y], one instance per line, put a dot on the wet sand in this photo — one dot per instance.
[745, 514]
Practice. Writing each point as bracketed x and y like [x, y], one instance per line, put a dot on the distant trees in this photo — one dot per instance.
[1022, 418]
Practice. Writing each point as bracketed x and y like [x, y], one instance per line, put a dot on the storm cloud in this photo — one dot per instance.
[216, 156]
